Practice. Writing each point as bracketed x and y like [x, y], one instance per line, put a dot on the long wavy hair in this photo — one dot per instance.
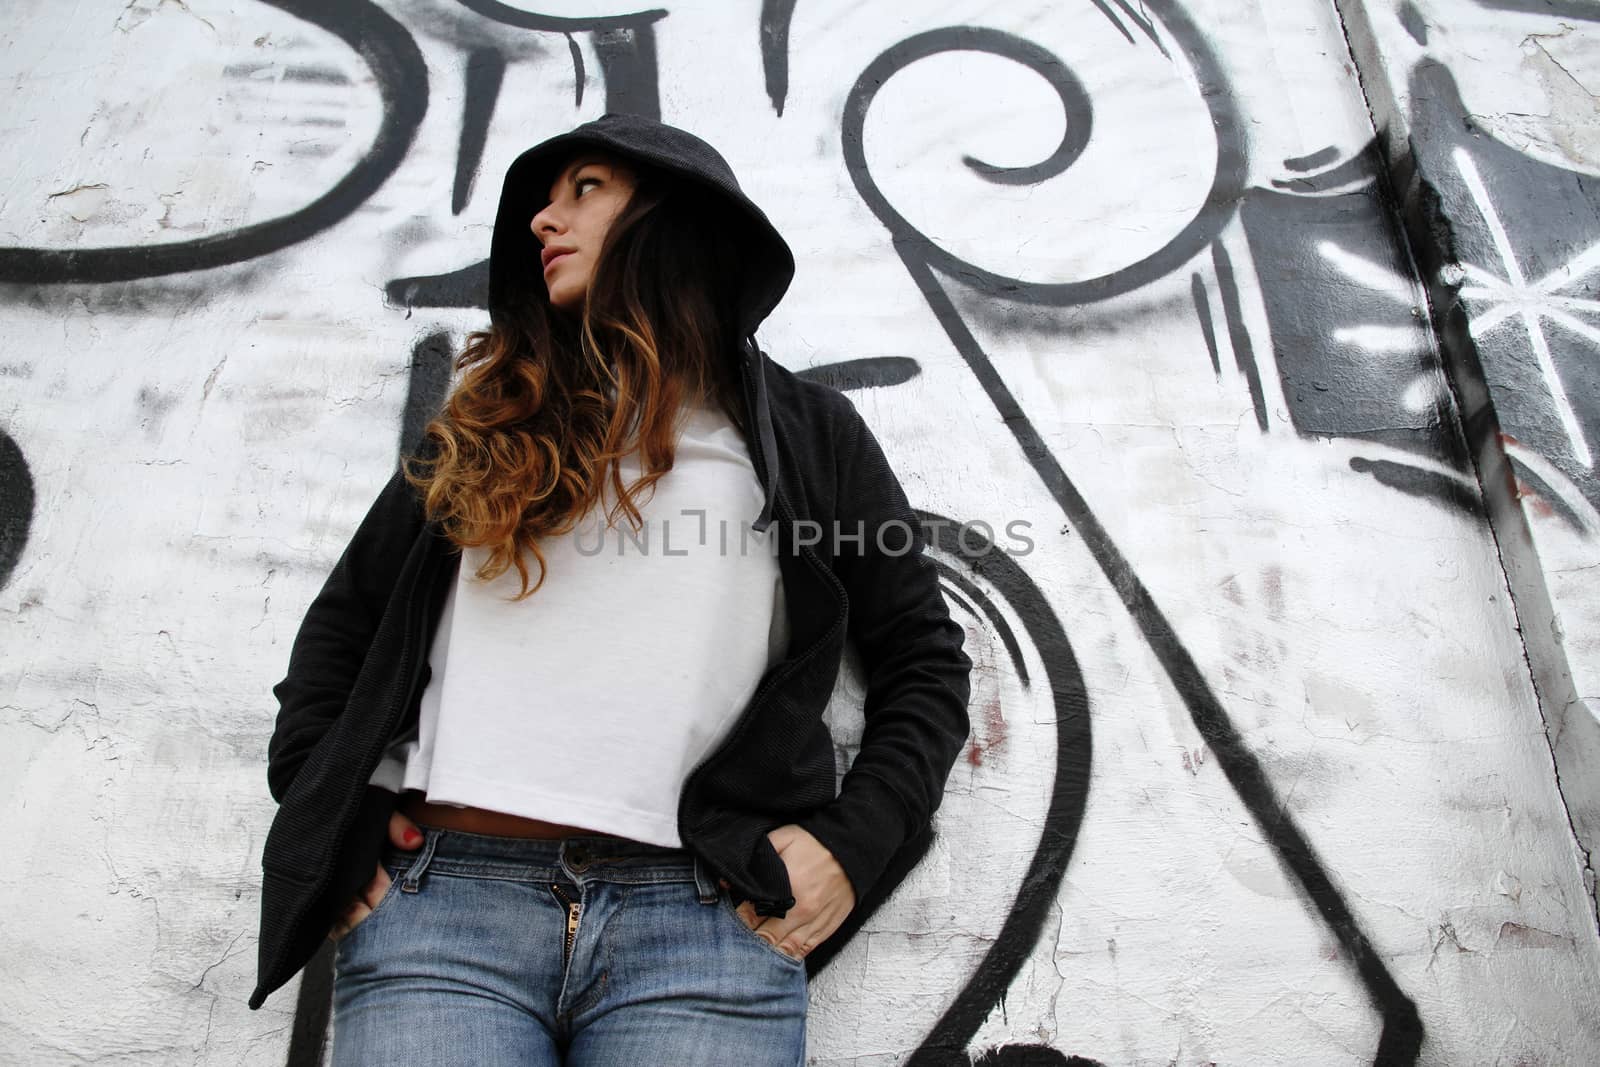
[548, 402]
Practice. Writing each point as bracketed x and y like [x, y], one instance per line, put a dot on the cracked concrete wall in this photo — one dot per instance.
[1488, 114]
[1258, 772]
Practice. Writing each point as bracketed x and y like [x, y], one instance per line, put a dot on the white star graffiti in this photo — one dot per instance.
[1513, 296]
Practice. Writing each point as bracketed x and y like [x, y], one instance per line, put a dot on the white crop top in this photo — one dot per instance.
[590, 702]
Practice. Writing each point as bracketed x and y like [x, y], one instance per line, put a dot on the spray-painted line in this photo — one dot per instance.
[1401, 1033]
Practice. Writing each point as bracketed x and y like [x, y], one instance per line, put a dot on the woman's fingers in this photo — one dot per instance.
[796, 933]
[766, 928]
[822, 893]
[370, 896]
[348, 920]
[403, 833]
[747, 912]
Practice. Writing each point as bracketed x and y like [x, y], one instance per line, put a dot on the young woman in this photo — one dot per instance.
[550, 758]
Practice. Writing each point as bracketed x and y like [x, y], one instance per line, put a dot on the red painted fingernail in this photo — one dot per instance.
[412, 837]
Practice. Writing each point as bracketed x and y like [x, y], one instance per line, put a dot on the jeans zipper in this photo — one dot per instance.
[573, 908]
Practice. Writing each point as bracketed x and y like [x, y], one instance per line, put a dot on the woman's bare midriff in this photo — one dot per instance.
[415, 807]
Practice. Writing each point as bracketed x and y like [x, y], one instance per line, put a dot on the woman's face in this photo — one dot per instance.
[588, 194]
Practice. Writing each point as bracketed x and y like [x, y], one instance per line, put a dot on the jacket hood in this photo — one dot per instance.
[766, 271]
[514, 252]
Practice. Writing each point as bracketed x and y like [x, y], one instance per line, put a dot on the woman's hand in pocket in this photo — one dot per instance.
[403, 833]
[823, 896]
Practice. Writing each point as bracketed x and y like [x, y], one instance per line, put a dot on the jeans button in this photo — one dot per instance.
[578, 858]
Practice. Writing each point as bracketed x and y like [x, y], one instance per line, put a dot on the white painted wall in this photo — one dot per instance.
[202, 444]
[1511, 166]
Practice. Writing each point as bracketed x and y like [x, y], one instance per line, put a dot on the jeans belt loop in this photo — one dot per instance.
[410, 882]
[704, 882]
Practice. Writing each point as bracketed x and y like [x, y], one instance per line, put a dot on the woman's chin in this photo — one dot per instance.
[565, 302]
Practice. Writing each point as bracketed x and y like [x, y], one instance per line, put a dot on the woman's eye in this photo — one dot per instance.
[583, 183]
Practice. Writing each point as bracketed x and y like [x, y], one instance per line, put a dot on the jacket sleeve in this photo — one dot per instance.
[338, 629]
[917, 675]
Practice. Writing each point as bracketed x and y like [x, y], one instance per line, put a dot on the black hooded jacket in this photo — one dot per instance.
[850, 552]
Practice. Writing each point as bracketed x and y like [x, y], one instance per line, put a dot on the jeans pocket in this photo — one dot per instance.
[726, 906]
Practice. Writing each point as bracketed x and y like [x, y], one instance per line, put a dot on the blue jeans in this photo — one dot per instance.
[588, 951]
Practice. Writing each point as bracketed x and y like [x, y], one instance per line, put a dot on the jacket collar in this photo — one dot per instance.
[752, 368]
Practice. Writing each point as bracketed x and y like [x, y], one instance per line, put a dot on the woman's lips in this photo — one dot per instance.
[554, 260]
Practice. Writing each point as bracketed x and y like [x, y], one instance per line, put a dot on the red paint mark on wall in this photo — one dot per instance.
[990, 733]
[995, 720]
[1272, 585]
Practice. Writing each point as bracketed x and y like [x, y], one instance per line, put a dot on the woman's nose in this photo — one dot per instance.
[543, 223]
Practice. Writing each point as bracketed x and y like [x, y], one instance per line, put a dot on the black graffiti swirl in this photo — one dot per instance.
[1215, 212]
[16, 506]
[1069, 793]
[1401, 1036]
[402, 79]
